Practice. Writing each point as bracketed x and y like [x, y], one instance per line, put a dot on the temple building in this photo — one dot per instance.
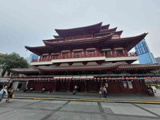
[88, 57]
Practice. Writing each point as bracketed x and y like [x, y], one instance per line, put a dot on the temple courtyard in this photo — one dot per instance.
[33, 107]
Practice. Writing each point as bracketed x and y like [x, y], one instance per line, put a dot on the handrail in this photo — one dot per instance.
[130, 54]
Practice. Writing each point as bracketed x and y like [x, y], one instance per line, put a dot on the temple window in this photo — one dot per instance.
[128, 84]
[119, 52]
[65, 55]
[91, 53]
[108, 53]
[54, 56]
[44, 57]
[125, 84]
[77, 54]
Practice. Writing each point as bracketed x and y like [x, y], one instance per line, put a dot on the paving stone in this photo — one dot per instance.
[126, 109]
[48, 105]
[88, 107]
[75, 116]
[152, 108]
[76, 110]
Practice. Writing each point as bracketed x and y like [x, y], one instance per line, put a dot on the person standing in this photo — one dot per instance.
[2, 92]
[10, 94]
[104, 92]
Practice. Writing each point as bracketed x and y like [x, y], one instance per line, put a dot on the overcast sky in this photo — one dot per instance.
[28, 22]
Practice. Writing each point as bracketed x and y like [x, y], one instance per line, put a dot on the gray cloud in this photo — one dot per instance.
[28, 22]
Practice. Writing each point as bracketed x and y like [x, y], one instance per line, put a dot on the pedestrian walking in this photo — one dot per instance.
[3, 92]
[75, 90]
[10, 94]
[101, 90]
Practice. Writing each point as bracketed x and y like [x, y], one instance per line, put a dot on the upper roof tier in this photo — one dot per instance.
[92, 29]
[78, 42]
[105, 26]
[96, 36]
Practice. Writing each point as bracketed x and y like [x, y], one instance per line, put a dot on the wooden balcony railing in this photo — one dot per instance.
[130, 54]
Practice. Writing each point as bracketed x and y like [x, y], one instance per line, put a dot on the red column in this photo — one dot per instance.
[113, 53]
[84, 53]
[60, 55]
[48, 58]
[72, 54]
[55, 86]
[125, 52]
[68, 86]
[96, 53]
[85, 86]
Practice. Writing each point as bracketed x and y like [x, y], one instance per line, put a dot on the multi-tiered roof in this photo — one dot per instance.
[90, 36]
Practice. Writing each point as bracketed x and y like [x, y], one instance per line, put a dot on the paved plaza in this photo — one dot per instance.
[21, 109]
[90, 97]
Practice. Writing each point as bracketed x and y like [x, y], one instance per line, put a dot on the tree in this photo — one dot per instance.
[156, 72]
[9, 61]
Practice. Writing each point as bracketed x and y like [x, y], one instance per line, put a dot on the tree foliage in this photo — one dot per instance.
[9, 61]
[156, 72]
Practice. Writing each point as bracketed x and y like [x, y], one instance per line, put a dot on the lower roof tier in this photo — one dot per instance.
[111, 66]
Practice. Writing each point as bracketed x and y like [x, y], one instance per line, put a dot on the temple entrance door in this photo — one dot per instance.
[80, 85]
[31, 84]
[62, 86]
[49, 86]
[92, 86]
[140, 86]
[113, 86]
[38, 86]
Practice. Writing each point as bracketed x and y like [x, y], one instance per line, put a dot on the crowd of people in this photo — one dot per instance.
[9, 91]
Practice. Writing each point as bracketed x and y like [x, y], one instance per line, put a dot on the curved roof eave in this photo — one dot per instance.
[56, 36]
[57, 39]
[139, 66]
[74, 68]
[38, 50]
[109, 30]
[119, 32]
[80, 41]
[105, 26]
[27, 70]
[128, 42]
[131, 38]
[67, 32]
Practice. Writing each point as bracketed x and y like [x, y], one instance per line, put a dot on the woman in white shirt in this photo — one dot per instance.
[2, 92]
